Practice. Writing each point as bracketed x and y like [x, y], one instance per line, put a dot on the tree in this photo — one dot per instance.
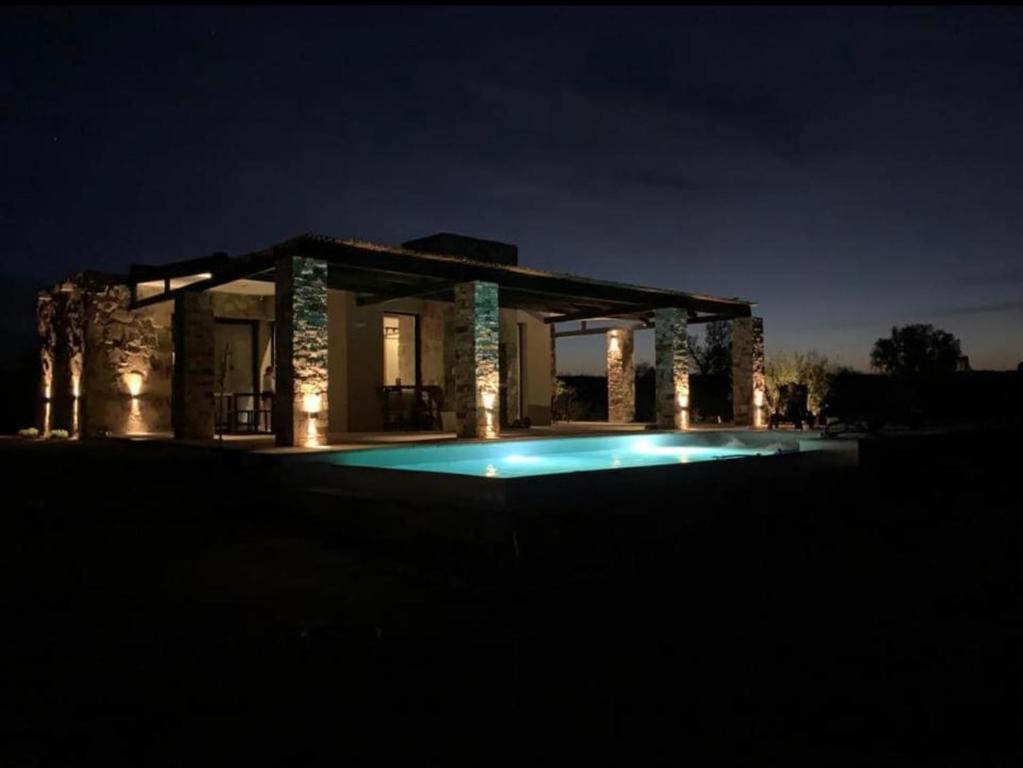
[916, 350]
[714, 353]
[811, 369]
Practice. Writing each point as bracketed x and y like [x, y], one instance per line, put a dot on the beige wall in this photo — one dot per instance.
[536, 367]
[356, 357]
[337, 360]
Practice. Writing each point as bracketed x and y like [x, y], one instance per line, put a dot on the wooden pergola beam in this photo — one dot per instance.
[597, 315]
[700, 319]
[410, 292]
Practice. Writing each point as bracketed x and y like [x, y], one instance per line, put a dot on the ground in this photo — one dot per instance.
[168, 609]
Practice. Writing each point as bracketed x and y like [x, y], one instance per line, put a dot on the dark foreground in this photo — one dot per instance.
[174, 611]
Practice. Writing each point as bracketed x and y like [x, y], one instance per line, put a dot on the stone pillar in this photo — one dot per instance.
[621, 376]
[46, 322]
[192, 407]
[671, 350]
[300, 412]
[75, 334]
[60, 315]
[476, 359]
[748, 385]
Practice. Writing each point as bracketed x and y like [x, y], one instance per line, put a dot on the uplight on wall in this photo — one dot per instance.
[683, 408]
[134, 383]
[76, 392]
[312, 404]
[489, 399]
[758, 407]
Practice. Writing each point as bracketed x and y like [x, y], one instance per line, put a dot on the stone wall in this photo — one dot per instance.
[621, 376]
[671, 374]
[302, 340]
[748, 385]
[93, 351]
[477, 331]
[125, 350]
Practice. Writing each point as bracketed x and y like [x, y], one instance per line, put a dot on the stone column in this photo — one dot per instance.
[192, 407]
[300, 412]
[621, 376]
[671, 350]
[46, 323]
[476, 359]
[748, 385]
[75, 334]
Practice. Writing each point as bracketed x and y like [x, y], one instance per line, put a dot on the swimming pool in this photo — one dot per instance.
[532, 457]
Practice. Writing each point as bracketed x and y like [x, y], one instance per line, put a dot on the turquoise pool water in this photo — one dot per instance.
[525, 458]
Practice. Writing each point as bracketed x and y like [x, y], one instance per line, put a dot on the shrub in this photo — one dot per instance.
[811, 369]
[28, 432]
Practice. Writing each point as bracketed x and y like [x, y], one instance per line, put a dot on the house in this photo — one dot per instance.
[319, 336]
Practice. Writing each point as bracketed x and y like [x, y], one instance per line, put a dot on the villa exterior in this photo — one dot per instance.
[319, 336]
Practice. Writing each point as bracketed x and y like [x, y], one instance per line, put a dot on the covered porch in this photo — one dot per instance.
[484, 333]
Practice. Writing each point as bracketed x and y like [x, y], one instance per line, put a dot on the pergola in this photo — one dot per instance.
[303, 268]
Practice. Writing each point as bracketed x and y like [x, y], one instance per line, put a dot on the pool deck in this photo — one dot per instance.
[348, 441]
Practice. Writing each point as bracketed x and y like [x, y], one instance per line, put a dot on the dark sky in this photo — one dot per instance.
[848, 169]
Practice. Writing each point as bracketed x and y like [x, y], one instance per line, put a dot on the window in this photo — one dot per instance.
[400, 350]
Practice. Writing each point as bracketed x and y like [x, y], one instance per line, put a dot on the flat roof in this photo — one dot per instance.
[379, 273]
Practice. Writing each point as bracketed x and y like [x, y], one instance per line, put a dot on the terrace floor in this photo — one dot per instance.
[340, 441]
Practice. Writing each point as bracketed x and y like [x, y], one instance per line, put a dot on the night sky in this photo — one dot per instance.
[847, 169]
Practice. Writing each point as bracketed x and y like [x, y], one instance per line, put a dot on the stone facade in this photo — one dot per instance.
[193, 406]
[621, 376]
[94, 350]
[748, 384]
[477, 332]
[301, 330]
[671, 374]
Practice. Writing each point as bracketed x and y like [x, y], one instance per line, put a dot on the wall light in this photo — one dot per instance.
[76, 390]
[312, 403]
[488, 400]
[612, 344]
[134, 383]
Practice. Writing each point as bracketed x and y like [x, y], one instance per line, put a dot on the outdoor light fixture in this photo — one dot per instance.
[758, 407]
[75, 387]
[682, 422]
[489, 398]
[612, 344]
[312, 403]
[46, 392]
[134, 383]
